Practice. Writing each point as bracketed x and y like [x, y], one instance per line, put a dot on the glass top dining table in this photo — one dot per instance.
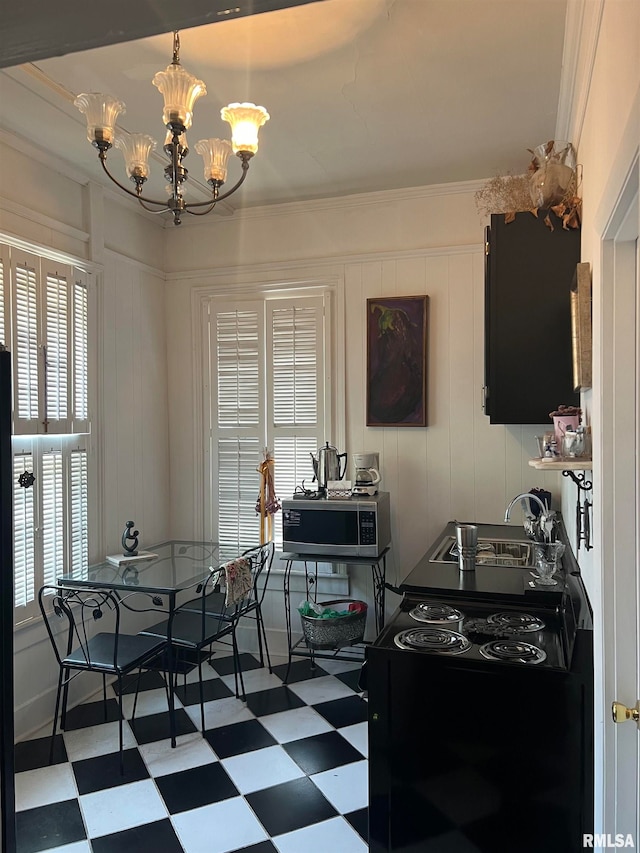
[163, 571]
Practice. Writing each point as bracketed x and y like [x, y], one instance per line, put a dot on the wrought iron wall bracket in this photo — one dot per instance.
[583, 509]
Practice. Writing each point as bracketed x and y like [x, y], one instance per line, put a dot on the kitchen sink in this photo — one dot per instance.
[491, 552]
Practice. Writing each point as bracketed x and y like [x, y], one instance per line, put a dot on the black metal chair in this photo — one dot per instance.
[193, 630]
[202, 621]
[260, 558]
[78, 648]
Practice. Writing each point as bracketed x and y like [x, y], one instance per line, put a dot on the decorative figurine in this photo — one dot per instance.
[127, 536]
[26, 479]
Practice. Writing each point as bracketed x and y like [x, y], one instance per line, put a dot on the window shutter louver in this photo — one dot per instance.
[23, 533]
[238, 484]
[80, 356]
[4, 299]
[53, 561]
[296, 337]
[79, 512]
[238, 368]
[292, 466]
[238, 421]
[295, 366]
[26, 346]
[56, 348]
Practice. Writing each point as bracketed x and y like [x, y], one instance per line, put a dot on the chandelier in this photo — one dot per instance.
[180, 91]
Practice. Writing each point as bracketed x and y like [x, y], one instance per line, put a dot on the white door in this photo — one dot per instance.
[620, 528]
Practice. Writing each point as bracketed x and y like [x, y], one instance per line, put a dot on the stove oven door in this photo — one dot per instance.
[474, 758]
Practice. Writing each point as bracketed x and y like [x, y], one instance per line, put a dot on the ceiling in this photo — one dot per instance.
[363, 95]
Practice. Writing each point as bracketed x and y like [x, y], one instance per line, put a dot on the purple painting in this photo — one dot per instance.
[397, 361]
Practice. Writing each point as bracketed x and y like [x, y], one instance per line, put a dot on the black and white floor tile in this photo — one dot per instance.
[283, 772]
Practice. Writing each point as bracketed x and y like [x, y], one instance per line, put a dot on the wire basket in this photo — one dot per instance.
[338, 631]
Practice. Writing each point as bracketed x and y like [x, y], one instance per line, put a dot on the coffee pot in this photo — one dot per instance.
[367, 474]
[327, 466]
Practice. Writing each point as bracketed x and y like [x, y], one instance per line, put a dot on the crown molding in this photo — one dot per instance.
[312, 265]
[582, 29]
[335, 203]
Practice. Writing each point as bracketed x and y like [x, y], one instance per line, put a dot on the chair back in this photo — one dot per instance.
[73, 616]
[261, 558]
[213, 594]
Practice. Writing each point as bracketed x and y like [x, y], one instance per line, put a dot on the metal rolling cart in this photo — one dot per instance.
[352, 651]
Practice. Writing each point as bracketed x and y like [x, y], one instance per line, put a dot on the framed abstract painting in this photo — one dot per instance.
[397, 361]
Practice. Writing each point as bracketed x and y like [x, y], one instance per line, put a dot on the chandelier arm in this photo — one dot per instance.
[245, 168]
[143, 203]
[212, 204]
[103, 158]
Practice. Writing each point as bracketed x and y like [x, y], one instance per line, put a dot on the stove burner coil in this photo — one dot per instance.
[512, 650]
[438, 640]
[516, 622]
[435, 613]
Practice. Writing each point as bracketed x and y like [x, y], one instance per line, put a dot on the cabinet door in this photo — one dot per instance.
[529, 274]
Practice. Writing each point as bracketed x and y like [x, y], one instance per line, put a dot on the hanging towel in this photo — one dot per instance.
[238, 580]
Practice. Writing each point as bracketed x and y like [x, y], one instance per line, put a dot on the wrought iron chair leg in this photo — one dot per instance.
[135, 698]
[104, 695]
[55, 717]
[201, 691]
[262, 629]
[237, 667]
[65, 699]
[120, 734]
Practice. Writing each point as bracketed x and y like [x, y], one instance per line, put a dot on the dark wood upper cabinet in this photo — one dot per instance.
[528, 278]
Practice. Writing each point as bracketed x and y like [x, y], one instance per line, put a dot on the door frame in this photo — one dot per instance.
[617, 490]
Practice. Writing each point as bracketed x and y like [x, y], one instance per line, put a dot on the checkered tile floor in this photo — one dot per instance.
[286, 771]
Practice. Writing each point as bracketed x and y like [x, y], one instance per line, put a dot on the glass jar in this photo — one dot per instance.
[555, 164]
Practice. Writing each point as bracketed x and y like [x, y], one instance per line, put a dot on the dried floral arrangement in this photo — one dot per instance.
[511, 194]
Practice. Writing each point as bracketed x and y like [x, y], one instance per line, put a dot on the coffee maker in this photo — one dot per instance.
[367, 473]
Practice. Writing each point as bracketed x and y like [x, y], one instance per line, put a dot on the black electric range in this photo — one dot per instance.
[478, 631]
[480, 715]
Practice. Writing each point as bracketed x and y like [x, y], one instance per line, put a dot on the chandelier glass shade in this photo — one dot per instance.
[180, 91]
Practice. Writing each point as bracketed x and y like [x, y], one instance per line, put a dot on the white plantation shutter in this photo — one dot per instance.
[296, 404]
[80, 315]
[4, 297]
[238, 352]
[25, 344]
[51, 517]
[79, 512]
[237, 420]
[237, 486]
[292, 465]
[23, 532]
[267, 362]
[48, 334]
[56, 341]
[53, 562]
[295, 334]
[45, 318]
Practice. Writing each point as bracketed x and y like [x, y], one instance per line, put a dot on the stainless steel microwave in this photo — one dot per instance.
[353, 527]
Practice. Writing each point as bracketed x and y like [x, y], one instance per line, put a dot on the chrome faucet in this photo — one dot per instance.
[541, 529]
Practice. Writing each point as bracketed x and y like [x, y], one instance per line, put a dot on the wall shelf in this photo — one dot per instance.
[576, 464]
[583, 505]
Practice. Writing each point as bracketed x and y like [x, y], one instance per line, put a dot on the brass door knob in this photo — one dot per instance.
[621, 713]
